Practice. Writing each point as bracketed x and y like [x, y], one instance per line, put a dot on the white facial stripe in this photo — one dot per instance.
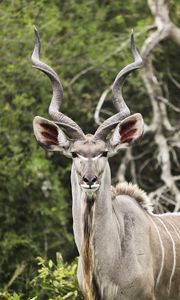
[93, 158]
[96, 157]
[82, 157]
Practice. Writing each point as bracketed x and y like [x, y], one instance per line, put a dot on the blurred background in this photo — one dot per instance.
[87, 43]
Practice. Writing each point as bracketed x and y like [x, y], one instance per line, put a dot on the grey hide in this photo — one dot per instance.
[136, 254]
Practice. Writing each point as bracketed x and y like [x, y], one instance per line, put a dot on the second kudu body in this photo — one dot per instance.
[126, 252]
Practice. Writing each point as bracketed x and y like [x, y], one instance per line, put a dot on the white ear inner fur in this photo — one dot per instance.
[62, 140]
[115, 137]
[139, 127]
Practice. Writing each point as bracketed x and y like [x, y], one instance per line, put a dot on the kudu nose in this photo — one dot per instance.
[90, 180]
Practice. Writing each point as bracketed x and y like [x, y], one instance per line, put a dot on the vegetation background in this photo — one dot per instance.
[87, 43]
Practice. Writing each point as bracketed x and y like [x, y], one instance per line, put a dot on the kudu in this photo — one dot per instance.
[126, 251]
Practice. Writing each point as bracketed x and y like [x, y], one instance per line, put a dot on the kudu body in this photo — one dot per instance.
[126, 252]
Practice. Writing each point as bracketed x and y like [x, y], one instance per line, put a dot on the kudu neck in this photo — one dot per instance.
[102, 203]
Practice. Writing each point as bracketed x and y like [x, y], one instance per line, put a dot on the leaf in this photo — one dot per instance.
[50, 263]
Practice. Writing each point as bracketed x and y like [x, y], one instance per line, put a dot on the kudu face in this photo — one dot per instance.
[89, 152]
[90, 158]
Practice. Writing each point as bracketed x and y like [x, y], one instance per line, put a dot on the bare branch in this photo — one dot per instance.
[164, 160]
[105, 58]
[99, 105]
[173, 80]
[164, 100]
[174, 156]
[123, 166]
[18, 271]
[160, 126]
[176, 178]
[174, 139]
[157, 193]
[78, 75]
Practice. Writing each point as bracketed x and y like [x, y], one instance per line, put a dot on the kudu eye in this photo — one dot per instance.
[105, 153]
[74, 154]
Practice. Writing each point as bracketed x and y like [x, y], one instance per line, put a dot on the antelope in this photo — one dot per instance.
[125, 251]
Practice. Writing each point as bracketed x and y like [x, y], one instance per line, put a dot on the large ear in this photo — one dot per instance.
[50, 136]
[126, 132]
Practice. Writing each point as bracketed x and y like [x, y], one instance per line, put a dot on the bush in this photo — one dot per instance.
[56, 281]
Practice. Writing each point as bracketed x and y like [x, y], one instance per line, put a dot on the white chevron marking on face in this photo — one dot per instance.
[92, 158]
[82, 157]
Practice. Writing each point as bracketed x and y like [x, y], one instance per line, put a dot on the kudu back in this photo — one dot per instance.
[125, 251]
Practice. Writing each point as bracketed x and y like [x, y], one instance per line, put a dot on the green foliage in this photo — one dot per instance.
[53, 281]
[7, 296]
[56, 281]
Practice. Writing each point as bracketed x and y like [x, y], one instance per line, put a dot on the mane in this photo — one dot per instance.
[134, 191]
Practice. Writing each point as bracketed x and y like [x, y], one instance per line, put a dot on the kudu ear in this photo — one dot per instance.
[126, 132]
[50, 136]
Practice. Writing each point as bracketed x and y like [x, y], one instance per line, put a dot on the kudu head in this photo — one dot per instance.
[89, 152]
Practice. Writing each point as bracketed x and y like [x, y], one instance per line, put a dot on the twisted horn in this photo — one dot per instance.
[118, 101]
[73, 129]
